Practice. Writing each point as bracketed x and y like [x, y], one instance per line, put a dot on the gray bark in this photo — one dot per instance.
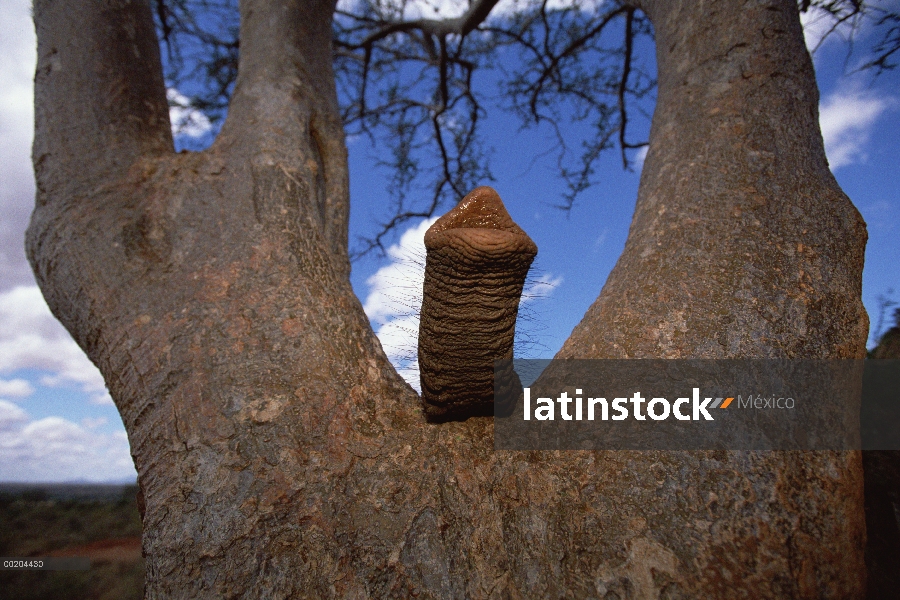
[280, 455]
[742, 245]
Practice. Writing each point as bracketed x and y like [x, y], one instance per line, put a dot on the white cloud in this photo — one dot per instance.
[435, 9]
[56, 449]
[880, 215]
[396, 288]
[399, 337]
[540, 288]
[185, 119]
[32, 338]
[640, 156]
[584, 5]
[601, 239]
[451, 9]
[17, 62]
[102, 399]
[394, 299]
[93, 422]
[17, 388]
[846, 119]
[11, 416]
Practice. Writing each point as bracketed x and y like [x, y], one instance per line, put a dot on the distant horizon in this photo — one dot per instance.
[71, 482]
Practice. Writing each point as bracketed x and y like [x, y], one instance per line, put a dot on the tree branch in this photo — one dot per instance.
[623, 83]
[441, 28]
[888, 45]
[100, 101]
[285, 55]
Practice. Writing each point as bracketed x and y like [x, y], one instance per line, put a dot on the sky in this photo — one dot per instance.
[57, 421]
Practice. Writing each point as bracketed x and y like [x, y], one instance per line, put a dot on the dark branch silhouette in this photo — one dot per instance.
[408, 84]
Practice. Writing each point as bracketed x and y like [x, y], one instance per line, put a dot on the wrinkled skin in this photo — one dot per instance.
[476, 263]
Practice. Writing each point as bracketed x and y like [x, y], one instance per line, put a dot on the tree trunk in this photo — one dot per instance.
[278, 452]
[742, 245]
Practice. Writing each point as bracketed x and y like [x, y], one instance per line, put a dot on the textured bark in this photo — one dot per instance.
[280, 455]
[476, 263]
[742, 245]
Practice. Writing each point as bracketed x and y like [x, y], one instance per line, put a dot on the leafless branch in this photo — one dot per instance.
[438, 28]
[407, 84]
[623, 83]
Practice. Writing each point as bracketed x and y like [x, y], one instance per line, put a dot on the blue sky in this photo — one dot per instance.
[57, 423]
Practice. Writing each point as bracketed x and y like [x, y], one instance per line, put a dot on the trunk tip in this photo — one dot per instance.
[482, 208]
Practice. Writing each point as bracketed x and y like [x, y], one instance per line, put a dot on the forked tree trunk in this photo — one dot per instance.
[280, 455]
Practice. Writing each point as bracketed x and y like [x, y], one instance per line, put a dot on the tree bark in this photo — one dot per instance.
[742, 245]
[278, 452]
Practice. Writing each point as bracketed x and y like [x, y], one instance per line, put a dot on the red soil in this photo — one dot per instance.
[109, 550]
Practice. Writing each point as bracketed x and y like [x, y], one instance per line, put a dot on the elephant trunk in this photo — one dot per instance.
[476, 262]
